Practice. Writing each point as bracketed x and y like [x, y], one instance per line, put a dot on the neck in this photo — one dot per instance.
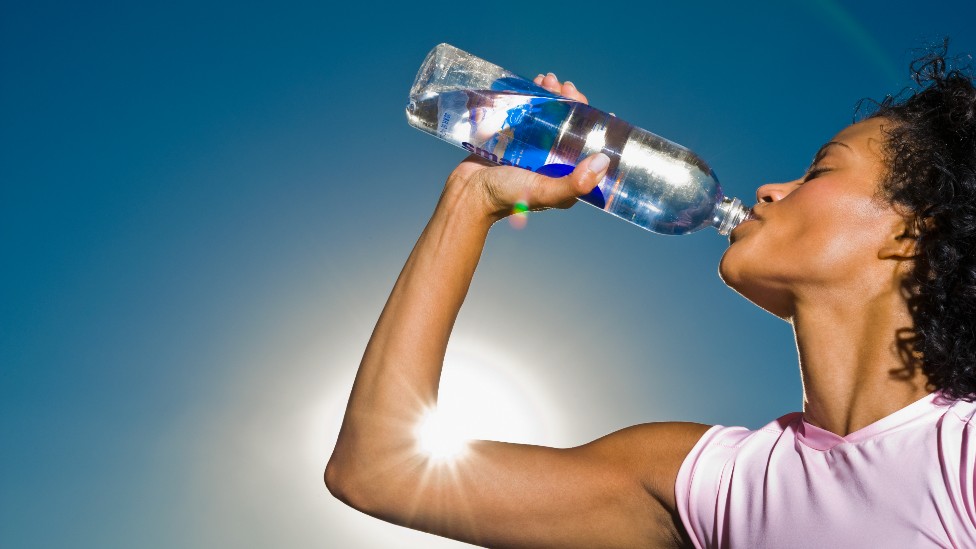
[854, 364]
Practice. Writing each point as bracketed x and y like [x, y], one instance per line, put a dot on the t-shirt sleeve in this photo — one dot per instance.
[698, 490]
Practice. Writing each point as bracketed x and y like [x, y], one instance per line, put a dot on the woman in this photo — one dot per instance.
[870, 256]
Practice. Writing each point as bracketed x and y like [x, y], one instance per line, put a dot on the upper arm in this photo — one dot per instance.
[617, 491]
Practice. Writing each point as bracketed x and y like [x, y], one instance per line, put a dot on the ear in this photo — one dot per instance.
[901, 242]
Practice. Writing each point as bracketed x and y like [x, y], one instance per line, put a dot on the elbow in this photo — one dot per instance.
[341, 481]
[365, 478]
[335, 482]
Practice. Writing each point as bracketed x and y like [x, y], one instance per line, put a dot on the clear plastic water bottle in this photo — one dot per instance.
[486, 110]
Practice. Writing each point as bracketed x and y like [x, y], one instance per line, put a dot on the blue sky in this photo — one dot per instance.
[204, 205]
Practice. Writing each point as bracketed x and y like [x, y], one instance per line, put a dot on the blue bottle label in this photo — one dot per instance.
[514, 123]
[517, 129]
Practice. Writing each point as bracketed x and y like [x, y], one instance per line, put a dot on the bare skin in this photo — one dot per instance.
[827, 254]
[823, 254]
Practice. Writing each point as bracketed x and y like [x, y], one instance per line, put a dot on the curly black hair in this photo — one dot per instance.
[930, 154]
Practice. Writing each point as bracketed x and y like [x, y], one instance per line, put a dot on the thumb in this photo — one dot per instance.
[590, 172]
[587, 175]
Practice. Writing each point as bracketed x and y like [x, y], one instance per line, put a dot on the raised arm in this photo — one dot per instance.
[615, 492]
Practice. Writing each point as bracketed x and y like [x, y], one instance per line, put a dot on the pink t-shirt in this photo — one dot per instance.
[906, 480]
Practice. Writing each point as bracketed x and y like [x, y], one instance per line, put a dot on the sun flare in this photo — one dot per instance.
[440, 437]
[482, 396]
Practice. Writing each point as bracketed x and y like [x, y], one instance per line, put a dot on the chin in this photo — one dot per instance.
[735, 274]
[729, 268]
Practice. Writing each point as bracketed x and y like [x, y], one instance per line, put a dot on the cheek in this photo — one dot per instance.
[843, 236]
[818, 235]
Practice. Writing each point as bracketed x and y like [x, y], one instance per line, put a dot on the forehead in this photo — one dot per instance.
[865, 137]
[859, 151]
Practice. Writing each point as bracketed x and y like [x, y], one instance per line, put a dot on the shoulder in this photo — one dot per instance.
[703, 476]
[670, 453]
[956, 429]
[720, 447]
[721, 441]
[958, 411]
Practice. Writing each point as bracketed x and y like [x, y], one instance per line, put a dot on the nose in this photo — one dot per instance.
[771, 192]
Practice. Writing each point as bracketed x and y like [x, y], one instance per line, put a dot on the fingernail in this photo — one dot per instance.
[568, 83]
[540, 76]
[552, 75]
[599, 163]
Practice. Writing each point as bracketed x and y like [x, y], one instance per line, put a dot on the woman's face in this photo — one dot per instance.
[826, 233]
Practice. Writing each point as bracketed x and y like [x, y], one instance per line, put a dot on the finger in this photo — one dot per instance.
[561, 192]
[569, 90]
[538, 79]
[551, 83]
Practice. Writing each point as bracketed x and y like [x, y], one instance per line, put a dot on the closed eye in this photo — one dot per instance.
[813, 173]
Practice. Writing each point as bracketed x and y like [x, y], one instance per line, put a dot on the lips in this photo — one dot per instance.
[753, 214]
[751, 217]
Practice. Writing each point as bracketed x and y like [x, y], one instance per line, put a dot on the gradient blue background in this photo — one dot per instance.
[204, 205]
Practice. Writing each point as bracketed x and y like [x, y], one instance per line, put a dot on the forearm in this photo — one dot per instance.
[497, 494]
[400, 370]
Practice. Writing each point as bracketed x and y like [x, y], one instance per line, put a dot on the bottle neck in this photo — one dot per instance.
[729, 213]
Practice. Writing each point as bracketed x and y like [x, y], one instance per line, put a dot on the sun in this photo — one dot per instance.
[439, 437]
[483, 396]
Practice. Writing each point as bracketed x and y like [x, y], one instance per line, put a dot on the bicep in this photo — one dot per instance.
[617, 491]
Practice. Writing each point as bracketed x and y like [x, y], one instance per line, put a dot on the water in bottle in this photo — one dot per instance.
[502, 117]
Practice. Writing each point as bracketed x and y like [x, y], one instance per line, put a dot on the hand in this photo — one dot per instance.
[566, 89]
[506, 189]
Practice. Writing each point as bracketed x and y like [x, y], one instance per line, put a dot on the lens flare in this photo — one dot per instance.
[440, 437]
[483, 395]
[520, 215]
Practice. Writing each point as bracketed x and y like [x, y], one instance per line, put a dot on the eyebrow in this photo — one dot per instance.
[823, 150]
